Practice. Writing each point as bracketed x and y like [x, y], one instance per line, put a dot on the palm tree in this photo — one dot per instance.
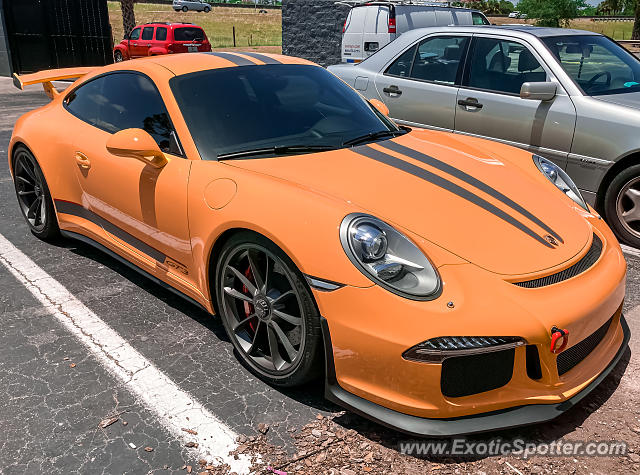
[128, 15]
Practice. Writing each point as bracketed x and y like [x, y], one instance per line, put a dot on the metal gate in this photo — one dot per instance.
[46, 34]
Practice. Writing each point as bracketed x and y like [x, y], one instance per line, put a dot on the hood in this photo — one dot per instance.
[629, 99]
[451, 191]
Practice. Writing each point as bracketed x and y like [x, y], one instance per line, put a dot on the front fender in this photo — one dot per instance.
[304, 224]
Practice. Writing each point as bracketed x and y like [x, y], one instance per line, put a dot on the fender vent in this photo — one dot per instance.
[589, 259]
[572, 356]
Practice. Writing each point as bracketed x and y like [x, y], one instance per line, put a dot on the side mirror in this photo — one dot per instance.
[382, 108]
[138, 144]
[126, 36]
[538, 91]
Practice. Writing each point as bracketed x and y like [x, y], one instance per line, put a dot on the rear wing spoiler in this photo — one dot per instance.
[47, 76]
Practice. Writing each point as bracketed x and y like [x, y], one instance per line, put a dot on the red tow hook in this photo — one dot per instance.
[559, 334]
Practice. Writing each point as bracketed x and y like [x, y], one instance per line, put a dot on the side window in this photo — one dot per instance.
[503, 66]
[479, 19]
[402, 66]
[161, 34]
[147, 33]
[135, 34]
[122, 101]
[438, 59]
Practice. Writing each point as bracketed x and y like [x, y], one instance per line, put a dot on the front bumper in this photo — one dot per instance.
[489, 421]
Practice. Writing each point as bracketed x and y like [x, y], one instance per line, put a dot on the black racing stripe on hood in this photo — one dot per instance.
[264, 58]
[445, 184]
[453, 171]
[234, 58]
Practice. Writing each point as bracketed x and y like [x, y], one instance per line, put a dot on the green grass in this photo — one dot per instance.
[618, 30]
[252, 28]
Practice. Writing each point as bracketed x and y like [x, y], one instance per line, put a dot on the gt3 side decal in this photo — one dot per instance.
[453, 171]
[445, 184]
[74, 209]
[234, 58]
[265, 59]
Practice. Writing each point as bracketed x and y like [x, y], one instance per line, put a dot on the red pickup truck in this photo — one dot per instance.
[161, 38]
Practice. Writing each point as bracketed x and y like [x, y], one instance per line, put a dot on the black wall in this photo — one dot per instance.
[5, 59]
[48, 34]
[312, 29]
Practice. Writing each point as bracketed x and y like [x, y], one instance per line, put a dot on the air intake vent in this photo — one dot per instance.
[574, 355]
[579, 267]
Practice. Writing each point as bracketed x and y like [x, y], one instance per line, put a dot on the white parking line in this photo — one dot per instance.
[174, 408]
[630, 250]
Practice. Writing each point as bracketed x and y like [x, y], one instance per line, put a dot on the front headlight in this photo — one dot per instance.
[559, 177]
[388, 258]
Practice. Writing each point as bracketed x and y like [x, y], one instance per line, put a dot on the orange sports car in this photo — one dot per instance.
[442, 284]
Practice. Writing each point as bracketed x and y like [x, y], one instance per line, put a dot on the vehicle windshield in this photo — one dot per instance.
[284, 108]
[596, 64]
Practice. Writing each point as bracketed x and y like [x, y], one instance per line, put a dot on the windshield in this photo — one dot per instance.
[597, 64]
[278, 106]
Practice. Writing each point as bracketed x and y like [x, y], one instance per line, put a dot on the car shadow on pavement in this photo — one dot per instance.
[311, 394]
[540, 433]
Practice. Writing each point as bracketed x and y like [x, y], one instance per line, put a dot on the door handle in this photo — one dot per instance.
[134, 44]
[469, 103]
[149, 45]
[83, 160]
[392, 90]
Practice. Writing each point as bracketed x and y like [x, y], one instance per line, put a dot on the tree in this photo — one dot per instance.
[128, 15]
[554, 13]
[635, 34]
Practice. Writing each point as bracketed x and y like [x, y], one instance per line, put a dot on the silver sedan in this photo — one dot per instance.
[570, 95]
[193, 5]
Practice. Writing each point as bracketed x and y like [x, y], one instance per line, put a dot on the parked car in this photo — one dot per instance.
[152, 39]
[440, 284]
[193, 5]
[570, 95]
[514, 14]
[372, 25]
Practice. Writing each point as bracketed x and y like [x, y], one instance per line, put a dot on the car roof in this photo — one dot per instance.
[186, 63]
[518, 31]
[166, 23]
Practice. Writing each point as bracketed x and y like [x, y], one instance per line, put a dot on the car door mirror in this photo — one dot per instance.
[538, 91]
[138, 144]
[382, 108]
[126, 36]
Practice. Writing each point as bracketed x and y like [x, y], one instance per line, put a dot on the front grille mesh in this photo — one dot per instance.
[579, 267]
[574, 355]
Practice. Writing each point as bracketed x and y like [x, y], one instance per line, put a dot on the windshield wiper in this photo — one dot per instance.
[277, 150]
[371, 136]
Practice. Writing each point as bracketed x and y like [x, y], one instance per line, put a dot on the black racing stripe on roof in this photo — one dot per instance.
[234, 58]
[447, 185]
[453, 171]
[264, 58]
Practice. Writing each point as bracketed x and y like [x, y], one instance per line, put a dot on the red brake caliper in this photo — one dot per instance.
[248, 308]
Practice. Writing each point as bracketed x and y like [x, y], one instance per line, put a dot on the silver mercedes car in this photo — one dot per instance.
[570, 95]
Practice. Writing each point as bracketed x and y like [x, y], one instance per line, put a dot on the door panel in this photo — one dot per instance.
[419, 87]
[489, 105]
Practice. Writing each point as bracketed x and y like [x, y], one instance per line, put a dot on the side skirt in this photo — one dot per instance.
[130, 265]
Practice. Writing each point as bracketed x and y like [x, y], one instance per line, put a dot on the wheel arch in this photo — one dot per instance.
[621, 164]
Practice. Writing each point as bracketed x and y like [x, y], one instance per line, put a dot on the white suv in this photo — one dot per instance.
[195, 5]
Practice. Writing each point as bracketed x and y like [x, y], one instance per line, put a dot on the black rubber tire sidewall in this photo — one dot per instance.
[51, 229]
[610, 199]
[185, 9]
[311, 363]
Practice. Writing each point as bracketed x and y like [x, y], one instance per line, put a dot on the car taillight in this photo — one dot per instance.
[344, 27]
[392, 20]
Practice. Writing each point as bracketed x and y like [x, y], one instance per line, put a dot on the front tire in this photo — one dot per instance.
[117, 57]
[268, 311]
[33, 195]
[185, 9]
[622, 205]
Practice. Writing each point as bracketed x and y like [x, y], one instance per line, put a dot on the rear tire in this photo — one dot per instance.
[207, 9]
[33, 195]
[268, 311]
[622, 205]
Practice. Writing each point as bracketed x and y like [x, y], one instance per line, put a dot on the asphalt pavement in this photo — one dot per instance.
[54, 392]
